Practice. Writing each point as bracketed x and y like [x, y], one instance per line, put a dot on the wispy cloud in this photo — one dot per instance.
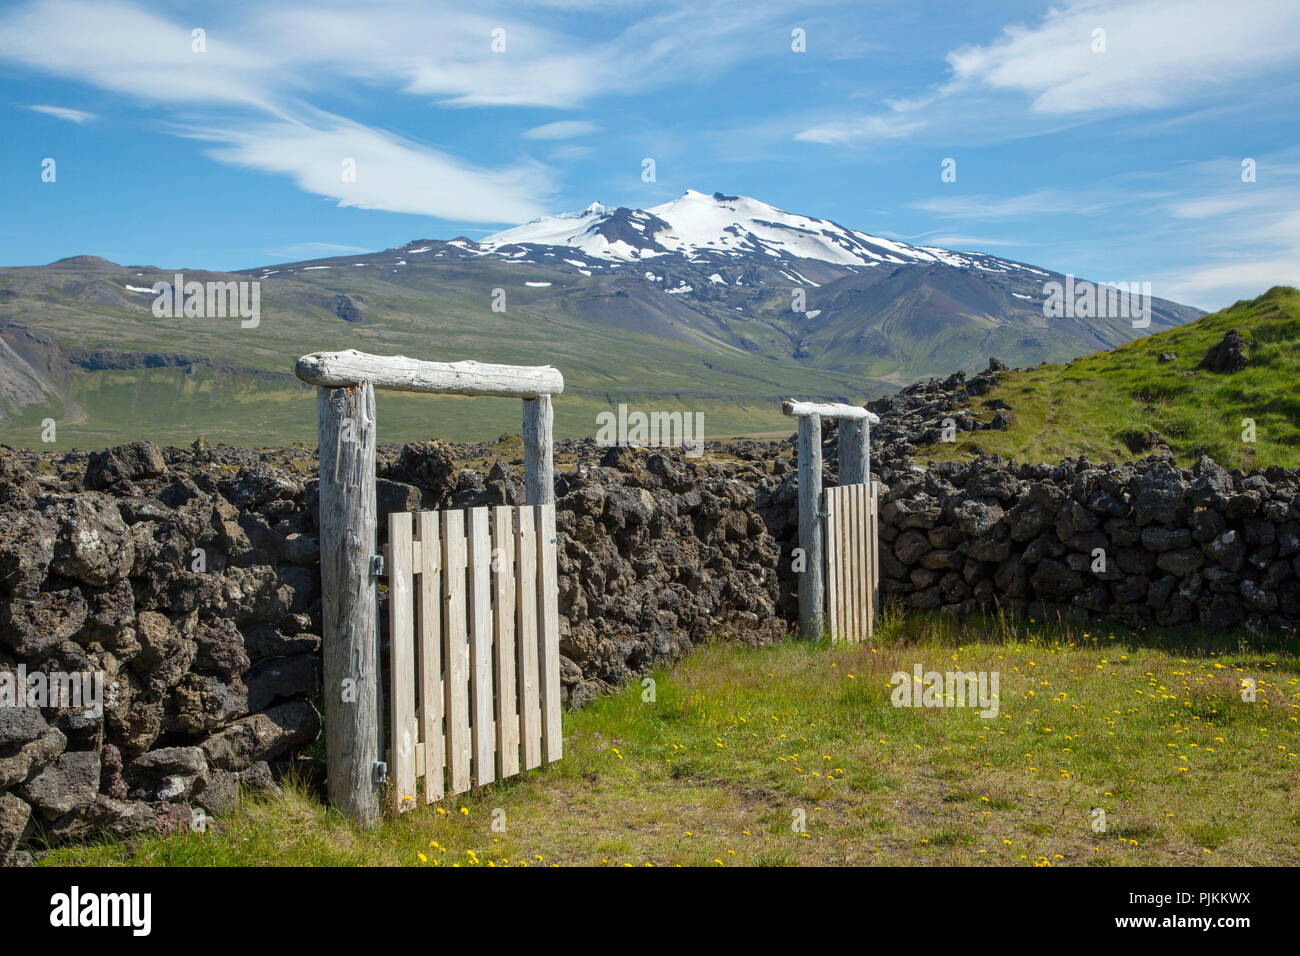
[1038, 203]
[1238, 238]
[80, 117]
[243, 84]
[564, 129]
[1130, 56]
[571, 151]
[371, 169]
[315, 250]
[1087, 59]
[248, 82]
[885, 126]
[965, 242]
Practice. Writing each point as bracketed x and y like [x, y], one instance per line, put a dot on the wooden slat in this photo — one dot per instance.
[858, 544]
[530, 717]
[548, 619]
[843, 561]
[873, 550]
[852, 561]
[503, 617]
[848, 610]
[833, 616]
[846, 557]
[875, 525]
[456, 651]
[861, 576]
[866, 563]
[401, 655]
[430, 654]
[847, 546]
[480, 658]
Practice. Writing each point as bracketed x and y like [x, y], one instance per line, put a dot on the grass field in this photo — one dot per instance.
[738, 743]
[169, 406]
[247, 395]
[1089, 405]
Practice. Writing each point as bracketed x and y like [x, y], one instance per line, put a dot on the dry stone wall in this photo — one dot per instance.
[189, 580]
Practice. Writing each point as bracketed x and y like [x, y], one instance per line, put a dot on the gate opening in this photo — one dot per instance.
[350, 568]
[838, 530]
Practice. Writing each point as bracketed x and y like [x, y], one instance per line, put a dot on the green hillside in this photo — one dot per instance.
[1099, 405]
[236, 385]
[81, 345]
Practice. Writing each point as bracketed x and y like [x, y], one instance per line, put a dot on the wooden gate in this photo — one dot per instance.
[474, 647]
[816, 537]
[447, 605]
[852, 562]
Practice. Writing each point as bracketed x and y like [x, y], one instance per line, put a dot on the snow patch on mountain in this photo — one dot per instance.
[715, 228]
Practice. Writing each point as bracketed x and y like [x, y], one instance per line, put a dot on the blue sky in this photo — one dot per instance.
[1121, 163]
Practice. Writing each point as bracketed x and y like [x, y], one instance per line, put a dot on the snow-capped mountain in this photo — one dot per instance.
[725, 273]
[715, 299]
[701, 227]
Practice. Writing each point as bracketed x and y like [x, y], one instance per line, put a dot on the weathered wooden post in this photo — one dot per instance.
[812, 588]
[855, 468]
[349, 606]
[539, 466]
[855, 451]
[346, 408]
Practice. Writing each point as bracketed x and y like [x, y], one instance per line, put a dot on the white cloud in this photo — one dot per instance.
[121, 48]
[967, 242]
[1235, 239]
[1221, 285]
[571, 151]
[1041, 202]
[246, 92]
[252, 89]
[80, 117]
[564, 129]
[391, 173]
[315, 250]
[1158, 53]
[866, 127]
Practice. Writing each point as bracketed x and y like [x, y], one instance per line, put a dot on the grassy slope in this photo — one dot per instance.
[736, 389]
[648, 350]
[1155, 733]
[1086, 406]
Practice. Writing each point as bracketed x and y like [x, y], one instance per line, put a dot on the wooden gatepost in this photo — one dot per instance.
[350, 564]
[837, 532]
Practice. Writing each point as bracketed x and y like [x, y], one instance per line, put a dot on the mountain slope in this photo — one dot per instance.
[1157, 393]
[720, 304]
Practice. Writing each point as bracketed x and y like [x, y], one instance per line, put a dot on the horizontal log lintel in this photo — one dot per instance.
[828, 410]
[399, 373]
